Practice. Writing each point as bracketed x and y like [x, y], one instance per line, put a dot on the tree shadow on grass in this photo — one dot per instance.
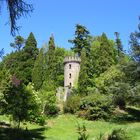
[20, 134]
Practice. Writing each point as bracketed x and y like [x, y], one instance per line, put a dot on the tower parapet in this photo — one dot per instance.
[69, 59]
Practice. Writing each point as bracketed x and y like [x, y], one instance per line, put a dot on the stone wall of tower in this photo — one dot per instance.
[71, 73]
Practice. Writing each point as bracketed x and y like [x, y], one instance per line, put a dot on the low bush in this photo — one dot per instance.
[95, 107]
[51, 110]
[49, 104]
[133, 111]
[129, 114]
[72, 104]
[116, 134]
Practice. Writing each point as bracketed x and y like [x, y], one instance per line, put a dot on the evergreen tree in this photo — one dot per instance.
[83, 77]
[135, 45]
[132, 69]
[50, 59]
[50, 75]
[119, 45]
[59, 66]
[18, 43]
[39, 70]
[21, 62]
[102, 56]
[16, 9]
[81, 40]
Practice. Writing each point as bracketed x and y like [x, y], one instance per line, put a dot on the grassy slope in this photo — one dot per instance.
[64, 128]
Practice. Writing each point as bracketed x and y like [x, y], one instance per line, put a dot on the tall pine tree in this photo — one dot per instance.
[39, 70]
[51, 59]
[50, 75]
[83, 77]
[81, 40]
[28, 57]
[119, 46]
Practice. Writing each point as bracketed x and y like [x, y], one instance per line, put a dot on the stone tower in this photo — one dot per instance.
[71, 73]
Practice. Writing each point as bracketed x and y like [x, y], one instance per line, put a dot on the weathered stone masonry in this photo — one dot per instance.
[71, 73]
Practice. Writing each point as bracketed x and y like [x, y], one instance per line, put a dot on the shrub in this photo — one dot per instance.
[83, 113]
[72, 104]
[116, 134]
[51, 109]
[96, 107]
[40, 120]
[135, 112]
[49, 105]
[129, 114]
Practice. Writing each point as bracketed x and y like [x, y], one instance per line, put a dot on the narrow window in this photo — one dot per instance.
[70, 75]
[70, 85]
[69, 66]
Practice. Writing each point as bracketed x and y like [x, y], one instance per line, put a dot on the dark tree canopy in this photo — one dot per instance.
[16, 9]
[81, 39]
[118, 44]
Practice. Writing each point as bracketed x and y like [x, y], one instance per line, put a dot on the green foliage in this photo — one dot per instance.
[134, 97]
[96, 107]
[17, 9]
[18, 43]
[81, 40]
[82, 132]
[50, 60]
[119, 46]
[28, 57]
[102, 56]
[72, 104]
[120, 93]
[135, 46]
[59, 66]
[18, 100]
[49, 106]
[107, 79]
[39, 70]
[54, 68]
[116, 134]
[83, 77]
[135, 112]
[21, 63]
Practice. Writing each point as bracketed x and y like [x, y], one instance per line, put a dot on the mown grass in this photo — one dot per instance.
[64, 127]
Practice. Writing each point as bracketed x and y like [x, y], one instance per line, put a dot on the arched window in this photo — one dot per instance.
[70, 75]
[69, 66]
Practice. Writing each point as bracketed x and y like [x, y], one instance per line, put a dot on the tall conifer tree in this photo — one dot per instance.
[51, 59]
[28, 57]
[39, 70]
[49, 83]
[83, 77]
[81, 40]
[119, 45]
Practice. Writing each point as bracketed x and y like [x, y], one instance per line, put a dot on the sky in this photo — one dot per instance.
[59, 17]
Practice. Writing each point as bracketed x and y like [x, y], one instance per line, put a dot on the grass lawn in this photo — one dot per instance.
[64, 127]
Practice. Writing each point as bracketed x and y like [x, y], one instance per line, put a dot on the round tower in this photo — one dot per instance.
[71, 73]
